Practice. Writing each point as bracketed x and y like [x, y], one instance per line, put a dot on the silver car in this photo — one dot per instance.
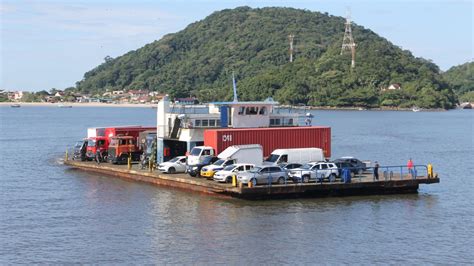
[263, 175]
[314, 171]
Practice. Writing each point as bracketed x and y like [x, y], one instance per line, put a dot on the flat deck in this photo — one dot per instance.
[360, 185]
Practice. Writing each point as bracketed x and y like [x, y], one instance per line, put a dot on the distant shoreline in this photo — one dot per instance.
[149, 105]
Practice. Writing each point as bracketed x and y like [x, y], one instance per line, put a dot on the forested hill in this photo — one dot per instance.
[253, 43]
[461, 79]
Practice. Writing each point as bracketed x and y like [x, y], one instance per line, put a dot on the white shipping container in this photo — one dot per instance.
[93, 132]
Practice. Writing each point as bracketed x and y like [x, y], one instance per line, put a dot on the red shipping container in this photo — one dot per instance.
[271, 138]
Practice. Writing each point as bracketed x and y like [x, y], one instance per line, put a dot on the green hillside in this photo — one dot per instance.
[461, 80]
[253, 43]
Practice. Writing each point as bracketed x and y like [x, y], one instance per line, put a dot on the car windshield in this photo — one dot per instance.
[175, 159]
[79, 144]
[307, 166]
[207, 160]
[272, 158]
[195, 152]
[219, 162]
[255, 169]
[229, 167]
[91, 143]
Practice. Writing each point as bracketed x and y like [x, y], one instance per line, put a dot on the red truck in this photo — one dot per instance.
[122, 147]
[102, 142]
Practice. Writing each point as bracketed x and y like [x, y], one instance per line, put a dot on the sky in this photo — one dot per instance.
[51, 44]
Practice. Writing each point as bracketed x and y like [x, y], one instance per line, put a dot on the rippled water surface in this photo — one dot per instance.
[52, 214]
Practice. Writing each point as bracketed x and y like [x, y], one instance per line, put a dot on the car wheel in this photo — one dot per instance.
[171, 170]
[360, 171]
[332, 177]
[228, 179]
[192, 174]
[306, 179]
[281, 180]
[254, 181]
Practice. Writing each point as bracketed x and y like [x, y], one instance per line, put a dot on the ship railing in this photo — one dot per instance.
[189, 109]
[357, 174]
[403, 172]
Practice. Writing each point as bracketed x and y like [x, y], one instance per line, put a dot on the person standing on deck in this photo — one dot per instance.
[98, 156]
[410, 167]
[376, 170]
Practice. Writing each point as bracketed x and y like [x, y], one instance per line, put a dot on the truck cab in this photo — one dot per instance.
[198, 153]
[94, 144]
[122, 147]
[80, 149]
[148, 147]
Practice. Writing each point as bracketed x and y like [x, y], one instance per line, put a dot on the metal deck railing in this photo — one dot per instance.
[358, 174]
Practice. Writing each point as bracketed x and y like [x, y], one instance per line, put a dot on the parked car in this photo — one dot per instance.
[262, 175]
[314, 171]
[175, 165]
[225, 175]
[208, 171]
[341, 165]
[195, 169]
[289, 166]
[360, 166]
[80, 149]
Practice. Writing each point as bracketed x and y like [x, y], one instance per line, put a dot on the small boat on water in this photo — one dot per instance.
[15, 105]
[415, 109]
[64, 106]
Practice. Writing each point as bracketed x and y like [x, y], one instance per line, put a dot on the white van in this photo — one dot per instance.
[249, 154]
[299, 155]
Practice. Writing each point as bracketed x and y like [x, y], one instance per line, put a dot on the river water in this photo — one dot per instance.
[50, 214]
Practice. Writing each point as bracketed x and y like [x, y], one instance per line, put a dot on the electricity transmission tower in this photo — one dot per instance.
[291, 37]
[348, 42]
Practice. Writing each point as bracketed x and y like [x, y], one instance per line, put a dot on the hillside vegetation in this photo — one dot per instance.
[461, 80]
[253, 43]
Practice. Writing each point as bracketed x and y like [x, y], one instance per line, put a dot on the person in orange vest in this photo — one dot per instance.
[410, 167]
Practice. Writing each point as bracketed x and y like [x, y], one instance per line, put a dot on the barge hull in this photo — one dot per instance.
[362, 186]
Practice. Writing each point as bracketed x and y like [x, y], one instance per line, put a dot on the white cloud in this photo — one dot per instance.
[101, 21]
[6, 8]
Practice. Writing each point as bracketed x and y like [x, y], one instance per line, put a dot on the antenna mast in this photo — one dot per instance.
[234, 86]
[291, 37]
[348, 42]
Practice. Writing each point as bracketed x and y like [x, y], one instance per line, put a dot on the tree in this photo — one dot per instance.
[252, 43]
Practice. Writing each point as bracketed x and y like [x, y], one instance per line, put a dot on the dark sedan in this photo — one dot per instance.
[355, 165]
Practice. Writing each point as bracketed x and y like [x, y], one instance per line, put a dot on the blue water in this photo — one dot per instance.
[50, 214]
